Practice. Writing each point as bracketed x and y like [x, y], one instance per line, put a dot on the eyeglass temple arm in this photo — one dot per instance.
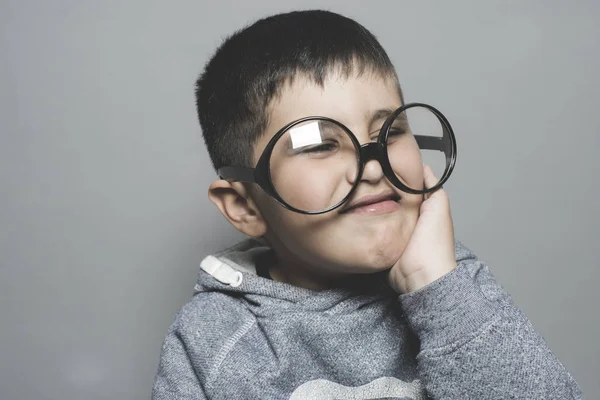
[243, 174]
[430, 142]
[435, 143]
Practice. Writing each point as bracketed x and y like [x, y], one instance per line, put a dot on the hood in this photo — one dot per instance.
[233, 272]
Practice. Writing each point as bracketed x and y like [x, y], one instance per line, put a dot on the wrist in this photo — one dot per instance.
[421, 278]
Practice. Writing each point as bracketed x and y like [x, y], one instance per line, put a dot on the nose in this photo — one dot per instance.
[370, 154]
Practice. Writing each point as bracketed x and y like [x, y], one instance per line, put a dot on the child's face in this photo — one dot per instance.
[339, 242]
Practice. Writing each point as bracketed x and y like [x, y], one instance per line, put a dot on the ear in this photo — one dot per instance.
[235, 203]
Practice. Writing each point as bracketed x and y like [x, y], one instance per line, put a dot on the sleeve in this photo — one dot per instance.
[176, 378]
[475, 343]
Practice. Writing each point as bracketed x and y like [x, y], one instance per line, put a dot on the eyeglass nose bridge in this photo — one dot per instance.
[372, 151]
[377, 151]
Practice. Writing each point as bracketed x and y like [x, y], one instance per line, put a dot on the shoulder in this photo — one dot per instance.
[211, 311]
[210, 325]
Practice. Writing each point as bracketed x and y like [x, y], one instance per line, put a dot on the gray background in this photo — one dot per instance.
[104, 216]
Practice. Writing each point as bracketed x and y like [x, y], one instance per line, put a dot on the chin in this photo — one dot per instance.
[374, 258]
[373, 249]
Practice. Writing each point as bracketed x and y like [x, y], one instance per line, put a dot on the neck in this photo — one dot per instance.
[300, 277]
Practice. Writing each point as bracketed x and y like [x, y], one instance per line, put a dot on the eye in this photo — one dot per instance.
[322, 148]
[396, 131]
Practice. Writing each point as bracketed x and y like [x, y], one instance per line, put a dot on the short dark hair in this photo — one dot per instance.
[251, 66]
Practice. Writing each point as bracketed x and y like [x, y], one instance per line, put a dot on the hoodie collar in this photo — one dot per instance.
[233, 271]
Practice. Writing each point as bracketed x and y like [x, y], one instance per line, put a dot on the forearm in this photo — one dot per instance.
[476, 344]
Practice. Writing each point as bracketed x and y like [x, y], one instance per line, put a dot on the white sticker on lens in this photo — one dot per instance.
[305, 135]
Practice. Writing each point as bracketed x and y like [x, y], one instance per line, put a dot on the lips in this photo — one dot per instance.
[371, 201]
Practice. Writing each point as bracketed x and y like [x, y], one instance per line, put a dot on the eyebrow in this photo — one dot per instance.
[379, 114]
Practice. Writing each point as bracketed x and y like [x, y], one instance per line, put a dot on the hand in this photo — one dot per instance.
[429, 254]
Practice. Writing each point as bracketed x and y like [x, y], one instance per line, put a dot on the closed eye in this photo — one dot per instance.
[392, 132]
[396, 131]
[321, 148]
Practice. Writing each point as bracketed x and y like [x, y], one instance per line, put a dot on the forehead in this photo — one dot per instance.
[346, 99]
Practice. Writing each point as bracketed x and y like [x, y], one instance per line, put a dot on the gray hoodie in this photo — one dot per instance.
[243, 336]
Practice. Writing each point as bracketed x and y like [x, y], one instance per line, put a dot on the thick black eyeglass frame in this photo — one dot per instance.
[369, 151]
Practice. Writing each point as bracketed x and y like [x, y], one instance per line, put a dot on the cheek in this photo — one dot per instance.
[307, 238]
[311, 186]
[407, 162]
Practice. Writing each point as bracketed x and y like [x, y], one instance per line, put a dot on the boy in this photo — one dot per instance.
[351, 287]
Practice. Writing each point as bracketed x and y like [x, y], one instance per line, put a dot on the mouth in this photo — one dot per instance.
[374, 204]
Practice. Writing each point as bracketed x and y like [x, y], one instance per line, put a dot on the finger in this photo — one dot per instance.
[429, 177]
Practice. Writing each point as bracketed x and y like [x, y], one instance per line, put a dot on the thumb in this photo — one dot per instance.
[430, 179]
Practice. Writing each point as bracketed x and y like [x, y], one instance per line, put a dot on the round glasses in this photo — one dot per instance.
[313, 165]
